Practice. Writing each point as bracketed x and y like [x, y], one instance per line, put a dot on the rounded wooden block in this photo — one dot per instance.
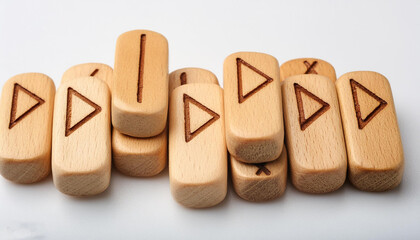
[140, 87]
[81, 149]
[262, 181]
[97, 70]
[190, 75]
[139, 157]
[197, 146]
[253, 107]
[307, 66]
[26, 107]
[376, 157]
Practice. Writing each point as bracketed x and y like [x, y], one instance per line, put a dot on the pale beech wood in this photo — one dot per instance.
[190, 75]
[254, 118]
[26, 107]
[376, 157]
[317, 152]
[139, 157]
[197, 162]
[140, 87]
[307, 66]
[261, 181]
[97, 70]
[81, 151]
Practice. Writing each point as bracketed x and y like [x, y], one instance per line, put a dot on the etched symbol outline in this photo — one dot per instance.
[141, 68]
[183, 78]
[262, 169]
[94, 72]
[310, 68]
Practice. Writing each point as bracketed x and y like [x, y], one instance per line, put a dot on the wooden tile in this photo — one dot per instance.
[376, 158]
[97, 70]
[314, 135]
[253, 107]
[140, 88]
[258, 182]
[190, 75]
[26, 107]
[197, 146]
[81, 149]
[307, 66]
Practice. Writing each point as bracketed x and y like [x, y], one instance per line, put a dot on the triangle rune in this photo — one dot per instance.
[70, 110]
[14, 110]
[241, 96]
[305, 122]
[187, 117]
[382, 104]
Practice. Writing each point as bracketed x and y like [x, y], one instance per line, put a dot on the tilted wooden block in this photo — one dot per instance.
[81, 149]
[197, 146]
[190, 75]
[253, 107]
[307, 66]
[26, 107]
[376, 158]
[97, 70]
[315, 141]
[140, 87]
[258, 182]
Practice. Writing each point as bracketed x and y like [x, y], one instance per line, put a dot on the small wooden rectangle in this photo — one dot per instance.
[190, 75]
[376, 157]
[81, 149]
[97, 70]
[253, 107]
[315, 141]
[140, 87]
[26, 107]
[307, 66]
[197, 146]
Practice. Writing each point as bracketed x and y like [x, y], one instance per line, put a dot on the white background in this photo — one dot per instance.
[382, 36]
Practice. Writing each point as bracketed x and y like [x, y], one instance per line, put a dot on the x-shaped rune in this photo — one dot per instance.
[261, 169]
[310, 68]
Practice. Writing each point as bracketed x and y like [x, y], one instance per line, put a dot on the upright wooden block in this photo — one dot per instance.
[197, 146]
[140, 87]
[81, 149]
[97, 70]
[376, 157]
[190, 75]
[26, 107]
[315, 141]
[307, 66]
[258, 182]
[253, 107]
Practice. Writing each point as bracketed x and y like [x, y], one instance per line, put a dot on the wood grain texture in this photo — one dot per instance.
[307, 66]
[197, 165]
[190, 75]
[81, 149]
[317, 152]
[376, 157]
[262, 181]
[26, 107]
[97, 70]
[139, 157]
[140, 87]
[253, 107]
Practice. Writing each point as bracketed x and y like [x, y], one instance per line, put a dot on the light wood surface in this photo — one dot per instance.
[307, 66]
[190, 75]
[26, 107]
[376, 158]
[258, 182]
[81, 149]
[197, 146]
[140, 87]
[97, 70]
[314, 135]
[253, 107]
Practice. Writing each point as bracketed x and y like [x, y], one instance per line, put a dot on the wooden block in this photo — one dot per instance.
[376, 158]
[139, 157]
[258, 182]
[315, 141]
[26, 107]
[253, 107]
[197, 146]
[97, 70]
[190, 75]
[81, 149]
[307, 66]
[140, 88]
